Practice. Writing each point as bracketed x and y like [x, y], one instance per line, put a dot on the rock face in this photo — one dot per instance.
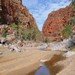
[67, 66]
[13, 12]
[56, 21]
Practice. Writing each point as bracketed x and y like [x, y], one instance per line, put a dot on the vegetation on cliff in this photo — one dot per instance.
[60, 23]
[17, 18]
[67, 32]
[25, 34]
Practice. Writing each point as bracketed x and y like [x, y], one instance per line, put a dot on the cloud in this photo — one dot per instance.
[41, 8]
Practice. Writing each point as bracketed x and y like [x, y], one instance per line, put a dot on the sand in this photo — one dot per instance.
[24, 62]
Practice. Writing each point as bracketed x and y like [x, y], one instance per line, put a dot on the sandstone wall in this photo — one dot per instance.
[13, 11]
[56, 22]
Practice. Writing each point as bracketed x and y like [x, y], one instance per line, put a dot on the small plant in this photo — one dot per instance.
[30, 34]
[67, 31]
[46, 40]
[1, 20]
[5, 32]
[73, 2]
[26, 34]
[14, 26]
[72, 21]
[16, 29]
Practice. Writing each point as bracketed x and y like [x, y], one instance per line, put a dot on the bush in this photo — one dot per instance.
[14, 26]
[30, 34]
[67, 31]
[72, 21]
[5, 32]
[16, 29]
[73, 2]
[1, 20]
[46, 39]
[26, 34]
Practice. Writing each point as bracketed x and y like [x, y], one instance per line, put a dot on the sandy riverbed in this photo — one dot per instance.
[22, 63]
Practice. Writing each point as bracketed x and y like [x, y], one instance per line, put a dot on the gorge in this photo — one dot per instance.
[25, 50]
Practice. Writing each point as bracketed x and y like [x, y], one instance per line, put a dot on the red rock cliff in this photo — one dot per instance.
[56, 21]
[13, 11]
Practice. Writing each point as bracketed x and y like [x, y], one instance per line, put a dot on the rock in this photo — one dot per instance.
[62, 66]
[68, 66]
[50, 64]
[13, 12]
[61, 46]
[10, 38]
[73, 38]
[1, 53]
[14, 47]
[42, 47]
[56, 22]
[2, 41]
[69, 53]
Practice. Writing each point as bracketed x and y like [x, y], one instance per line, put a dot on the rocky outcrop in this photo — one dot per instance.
[14, 12]
[56, 22]
[66, 67]
[60, 65]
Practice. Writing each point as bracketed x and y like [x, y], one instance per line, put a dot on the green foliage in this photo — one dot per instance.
[14, 26]
[30, 34]
[1, 20]
[25, 34]
[72, 21]
[73, 2]
[67, 31]
[5, 32]
[16, 29]
[46, 40]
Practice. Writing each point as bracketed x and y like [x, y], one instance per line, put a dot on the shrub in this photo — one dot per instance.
[26, 34]
[14, 26]
[46, 39]
[73, 2]
[67, 31]
[30, 34]
[1, 20]
[5, 32]
[16, 29]
[72, 21]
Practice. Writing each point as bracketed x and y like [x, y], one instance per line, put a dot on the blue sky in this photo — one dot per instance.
[41, 8]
